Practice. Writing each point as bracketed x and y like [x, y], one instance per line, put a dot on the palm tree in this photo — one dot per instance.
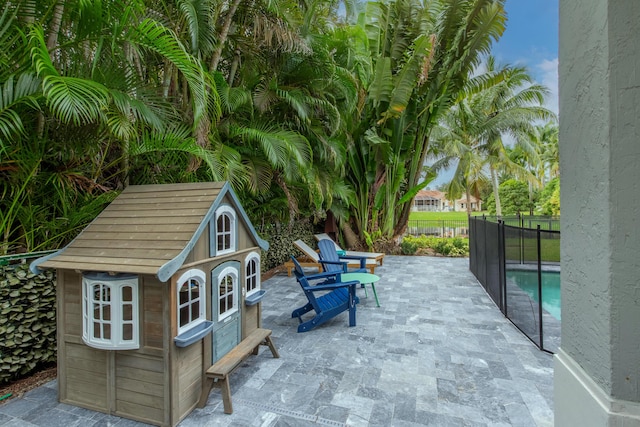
[80, 100]
[421, 59]
[503, 101]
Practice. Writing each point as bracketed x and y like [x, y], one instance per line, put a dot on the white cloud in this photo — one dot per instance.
[549, 75]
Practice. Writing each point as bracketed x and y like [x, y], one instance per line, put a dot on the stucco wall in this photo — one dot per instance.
[600, 177]
[624, 48]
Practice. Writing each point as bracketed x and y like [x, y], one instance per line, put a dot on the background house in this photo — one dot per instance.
[436, 201]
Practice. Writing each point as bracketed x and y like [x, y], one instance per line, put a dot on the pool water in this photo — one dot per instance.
[528, 282]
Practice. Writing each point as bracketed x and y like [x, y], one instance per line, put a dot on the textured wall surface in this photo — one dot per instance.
[584, 166]
[624, 202]
[600, 156]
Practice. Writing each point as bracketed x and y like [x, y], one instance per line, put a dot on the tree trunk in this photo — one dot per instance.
[291, 201]
[234, 68]
[54, 29]
[224, 33]
[29, 12]
[466, 189]
[351, 238]
[496, 195]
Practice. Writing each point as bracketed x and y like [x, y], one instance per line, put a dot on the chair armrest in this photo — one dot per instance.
[323, 275]
[342, 263]
[363, 260]
[331, 286]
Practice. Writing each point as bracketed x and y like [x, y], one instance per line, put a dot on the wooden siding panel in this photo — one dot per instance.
[190, 376]
[86, 376]
[140, 387]
[138, 361]
[152, 308]
[139, 412]
[72, 303]
[144, 376]
[140, 398]
[250, 322]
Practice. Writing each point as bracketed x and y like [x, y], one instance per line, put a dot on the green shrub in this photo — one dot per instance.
[408, 247]
[444, 246]
[27, 321]
[281, 237]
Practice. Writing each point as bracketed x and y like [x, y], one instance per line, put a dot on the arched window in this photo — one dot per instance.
[191, 299]
[224, 237]
[110, 311]
[227, 292]
[252, 273]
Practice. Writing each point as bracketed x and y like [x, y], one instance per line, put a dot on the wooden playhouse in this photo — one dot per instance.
[156, 298]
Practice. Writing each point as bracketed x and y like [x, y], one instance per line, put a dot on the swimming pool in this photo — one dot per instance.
[527, 280]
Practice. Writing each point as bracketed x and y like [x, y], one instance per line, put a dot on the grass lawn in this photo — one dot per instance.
[439, 216]
[549, 249]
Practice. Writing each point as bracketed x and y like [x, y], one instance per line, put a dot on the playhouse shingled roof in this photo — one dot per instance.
[147, 229]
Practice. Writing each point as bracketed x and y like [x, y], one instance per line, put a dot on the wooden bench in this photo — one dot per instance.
[219, 372]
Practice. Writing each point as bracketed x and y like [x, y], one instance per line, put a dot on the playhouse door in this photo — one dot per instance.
[226, 310]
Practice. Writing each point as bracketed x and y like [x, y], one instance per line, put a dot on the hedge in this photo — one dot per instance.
[27, 321]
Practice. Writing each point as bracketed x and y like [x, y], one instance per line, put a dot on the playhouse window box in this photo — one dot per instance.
[195, 334]
[255, 297]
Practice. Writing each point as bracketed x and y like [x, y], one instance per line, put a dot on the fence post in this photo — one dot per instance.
[540, 286]
[502, 267]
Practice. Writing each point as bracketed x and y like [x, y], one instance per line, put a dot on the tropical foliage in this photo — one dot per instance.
[515, 198]
[503, 101]
[303, 108]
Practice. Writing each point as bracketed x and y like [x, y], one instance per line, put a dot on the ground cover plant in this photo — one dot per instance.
[428, 245]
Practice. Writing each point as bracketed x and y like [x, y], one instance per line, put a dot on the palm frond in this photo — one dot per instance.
[13, 93]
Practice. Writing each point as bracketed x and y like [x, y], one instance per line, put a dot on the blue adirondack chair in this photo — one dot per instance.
[333, 262]
[336, 297]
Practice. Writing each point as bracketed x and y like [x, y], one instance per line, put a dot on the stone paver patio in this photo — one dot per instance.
[437, 352]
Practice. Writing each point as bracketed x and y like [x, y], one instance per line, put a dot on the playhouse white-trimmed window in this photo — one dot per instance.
[191, 299]
[252, 273]
[225, 230]
[227, 292]
[110, 311]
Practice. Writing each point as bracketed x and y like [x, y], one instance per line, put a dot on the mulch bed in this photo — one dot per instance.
[19, 387]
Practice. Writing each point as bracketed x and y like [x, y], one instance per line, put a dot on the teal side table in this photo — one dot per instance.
[363, 278]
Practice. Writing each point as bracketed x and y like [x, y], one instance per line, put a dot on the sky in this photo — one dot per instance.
[530, 40]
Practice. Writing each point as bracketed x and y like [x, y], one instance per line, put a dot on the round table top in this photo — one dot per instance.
[360, 277]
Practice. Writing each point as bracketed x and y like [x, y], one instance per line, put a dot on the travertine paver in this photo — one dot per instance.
[437, 352]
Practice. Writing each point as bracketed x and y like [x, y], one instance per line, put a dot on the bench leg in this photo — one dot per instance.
[207, 384]
[272, 347]
[226, 395]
